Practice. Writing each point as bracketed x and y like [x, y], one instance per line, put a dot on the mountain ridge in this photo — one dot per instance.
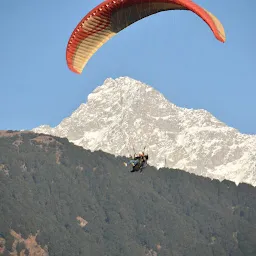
[124, 113]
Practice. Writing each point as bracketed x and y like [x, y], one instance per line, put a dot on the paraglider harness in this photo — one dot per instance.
[142, 163]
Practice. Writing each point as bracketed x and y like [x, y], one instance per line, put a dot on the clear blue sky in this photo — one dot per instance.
[175, 52]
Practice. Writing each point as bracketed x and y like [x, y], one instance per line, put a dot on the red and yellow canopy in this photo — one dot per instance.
[110, 17]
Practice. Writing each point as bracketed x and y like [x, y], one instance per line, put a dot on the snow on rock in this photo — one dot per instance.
[125, 113]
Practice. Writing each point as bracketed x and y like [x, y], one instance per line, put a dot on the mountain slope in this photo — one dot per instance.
[123, 113]
[59, 199]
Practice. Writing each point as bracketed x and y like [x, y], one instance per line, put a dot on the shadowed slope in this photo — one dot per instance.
[87, 203]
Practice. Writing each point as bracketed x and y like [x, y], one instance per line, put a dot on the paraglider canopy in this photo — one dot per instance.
[112, 16]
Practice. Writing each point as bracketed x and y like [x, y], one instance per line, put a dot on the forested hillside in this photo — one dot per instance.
[59, 199]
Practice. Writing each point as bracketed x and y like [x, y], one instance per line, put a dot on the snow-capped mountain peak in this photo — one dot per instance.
[124, 113]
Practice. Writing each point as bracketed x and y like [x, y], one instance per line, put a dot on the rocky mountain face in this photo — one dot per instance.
[60, 199]
[125, 113]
